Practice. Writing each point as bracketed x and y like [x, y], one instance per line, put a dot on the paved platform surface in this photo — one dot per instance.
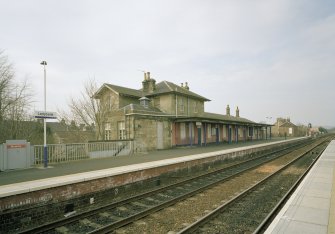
[311, 208]
[61, 169]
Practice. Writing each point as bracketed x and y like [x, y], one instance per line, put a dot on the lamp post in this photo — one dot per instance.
[45, 151]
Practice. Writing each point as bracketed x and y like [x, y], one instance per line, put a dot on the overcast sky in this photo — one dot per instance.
[271, 58]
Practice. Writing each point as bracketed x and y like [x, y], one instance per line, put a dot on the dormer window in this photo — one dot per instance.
[144, 101]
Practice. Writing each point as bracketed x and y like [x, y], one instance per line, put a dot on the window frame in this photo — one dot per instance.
[107, 131]
[121, 130]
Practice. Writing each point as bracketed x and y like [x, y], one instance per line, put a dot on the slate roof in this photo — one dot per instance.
[161, 88]
[206, 116]
[229, 118]
[125, 91]
[220, 118]
[169, 87]
[287, 124]
[138, 109]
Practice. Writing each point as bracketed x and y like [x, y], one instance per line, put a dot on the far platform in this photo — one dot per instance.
[311, 208]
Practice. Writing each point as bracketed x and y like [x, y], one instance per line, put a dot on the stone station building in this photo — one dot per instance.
[165, 115]
[284, 127]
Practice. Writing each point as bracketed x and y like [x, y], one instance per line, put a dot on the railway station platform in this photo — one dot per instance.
[311, 208]
[89, 165]
[30, 186]
[36, 193]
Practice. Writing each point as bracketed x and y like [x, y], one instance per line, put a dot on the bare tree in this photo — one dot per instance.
[86, 109]
[6, 85]
[15, 101]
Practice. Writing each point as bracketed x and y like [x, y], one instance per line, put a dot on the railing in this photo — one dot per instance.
[71, 152]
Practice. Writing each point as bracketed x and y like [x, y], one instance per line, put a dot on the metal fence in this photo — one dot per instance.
[71, 152]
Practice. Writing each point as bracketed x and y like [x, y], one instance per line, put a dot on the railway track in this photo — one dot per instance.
[253, 209]
[109, 218]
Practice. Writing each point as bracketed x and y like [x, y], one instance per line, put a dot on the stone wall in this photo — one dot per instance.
[145, 133]
[167, 104]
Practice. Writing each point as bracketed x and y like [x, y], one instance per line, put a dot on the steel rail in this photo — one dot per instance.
[193, 227]
[269, 218]
[130, 219]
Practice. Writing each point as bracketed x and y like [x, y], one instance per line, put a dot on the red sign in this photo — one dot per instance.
[16, 146]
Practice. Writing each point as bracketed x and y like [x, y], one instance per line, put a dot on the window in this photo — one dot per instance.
[144, 101]
[108, 131]
[181, 105]
[290, 131]
[121, 130]
[195, 105]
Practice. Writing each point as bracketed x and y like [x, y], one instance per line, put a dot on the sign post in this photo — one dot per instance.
[45, 115]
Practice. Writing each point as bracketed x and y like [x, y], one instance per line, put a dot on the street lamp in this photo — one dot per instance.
[45, 151]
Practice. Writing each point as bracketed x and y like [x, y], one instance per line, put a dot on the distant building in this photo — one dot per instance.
[314, 131]
[283, 127]
[163, 115]
[65, 134]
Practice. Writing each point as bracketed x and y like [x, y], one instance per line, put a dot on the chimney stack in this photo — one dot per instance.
[182, 85]
[237, 112]
[186, 86]
[228, 110]
[148, 85]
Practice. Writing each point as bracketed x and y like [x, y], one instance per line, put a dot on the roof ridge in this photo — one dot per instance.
[124, 90]
[121, 87]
